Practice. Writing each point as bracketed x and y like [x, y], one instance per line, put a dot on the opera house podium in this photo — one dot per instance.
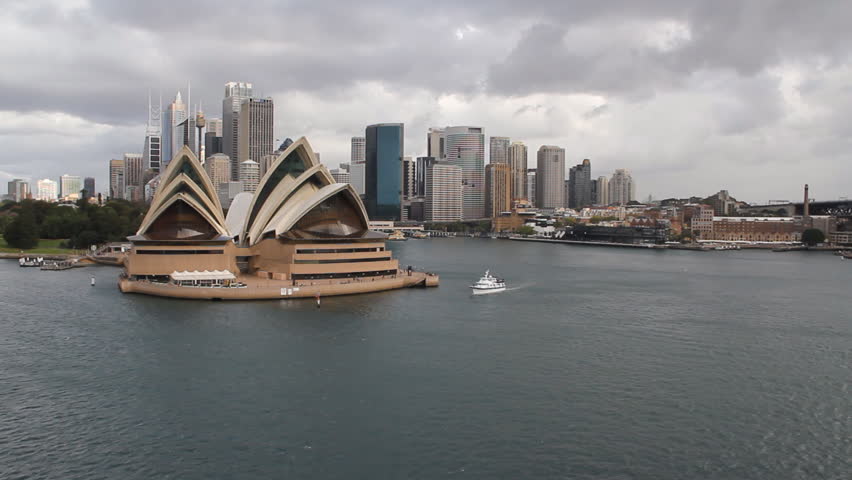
[298, 235]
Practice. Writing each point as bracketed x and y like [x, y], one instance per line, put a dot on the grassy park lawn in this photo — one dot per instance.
[46, 246]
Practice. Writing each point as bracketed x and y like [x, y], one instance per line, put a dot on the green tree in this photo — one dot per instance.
[525, 230]
[22, 232]
[812, 236]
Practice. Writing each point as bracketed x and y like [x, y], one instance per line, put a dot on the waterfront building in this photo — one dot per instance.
[622, 189]
[89, 187]
[722, 202]
[752, 229]
[602, 191]
[383, 172]
[465, 147]
[299, 235]
[18, 189]
[249, 175]
[436, 144]
[408, 178]
[357, 159]
[116, 179]
[580, 185]
[256, 138]
[235, 94]
[47, 190]
[443, 202]
[498, 150]
[70, 186]
[152, 153]
[517, 155]
[218, 168]
[531, 183]
[498, 189]
[420, 170]
[550, 178]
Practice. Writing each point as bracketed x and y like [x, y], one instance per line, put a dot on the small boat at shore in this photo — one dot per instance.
[397, 236]
[488, 284]
[30, 261]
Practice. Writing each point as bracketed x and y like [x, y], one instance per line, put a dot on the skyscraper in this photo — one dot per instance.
[175, 115]
[340, 175]
[134, 170]
[602, 197]
[19, 189]
[499, 150]
[465, 147]
[420, 171]
[357, 159]
[621, 187]
[531, 182]
[70, 187]
[443, 193]
[152, 150]
[383, 172]
[89, 187]
[213, 137]
[47, 190]
[235, 94]
[436, 144]
[255, 137]
[218, 168]
[550, 178]
[116, 179]
[580, 185]
[408, 178]
[518, 167]
[249, 175]
[498, 189]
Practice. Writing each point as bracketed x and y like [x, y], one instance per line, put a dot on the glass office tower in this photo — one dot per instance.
[383, 175]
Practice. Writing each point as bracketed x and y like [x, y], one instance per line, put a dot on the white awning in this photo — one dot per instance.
[205, 275]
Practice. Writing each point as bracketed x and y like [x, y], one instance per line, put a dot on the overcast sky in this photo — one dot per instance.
[691, 96]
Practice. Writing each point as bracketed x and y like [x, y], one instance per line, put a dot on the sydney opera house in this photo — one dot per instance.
[299, 234]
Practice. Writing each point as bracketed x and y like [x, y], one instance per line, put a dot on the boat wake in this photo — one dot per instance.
[521, 286]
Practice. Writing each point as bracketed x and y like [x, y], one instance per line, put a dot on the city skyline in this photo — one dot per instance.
[691, 112]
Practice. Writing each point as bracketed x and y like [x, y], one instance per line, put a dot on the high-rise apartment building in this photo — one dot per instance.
[465, 147]
[116, 179]
[152, 150]
[550, 178]
[339, 175]
[443, 192]
[518, 167]
[602, 194]
[621, 187]
[89, 187]
[436, 144]
[357, 161]
[19, 189]
[498, 150]
[235, 94]
[47, 190]
[580, 185]
[218, 168]
[249, 175]
[173, 132]
[255, 137]
[420, 171]
[531, 183]
[408, 178]
[498, 189]
[383, 172]
[70, 186]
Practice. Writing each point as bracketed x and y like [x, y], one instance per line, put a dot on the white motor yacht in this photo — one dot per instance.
[488, 284]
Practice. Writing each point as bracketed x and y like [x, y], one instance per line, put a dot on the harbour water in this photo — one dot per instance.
[596, 364]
